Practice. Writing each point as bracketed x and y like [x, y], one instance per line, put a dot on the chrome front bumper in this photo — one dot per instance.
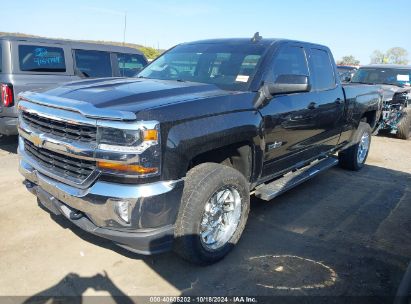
[92, 203]
[154, 209]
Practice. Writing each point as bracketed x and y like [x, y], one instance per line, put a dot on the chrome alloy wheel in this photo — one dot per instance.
[221, 218]
[363, 147]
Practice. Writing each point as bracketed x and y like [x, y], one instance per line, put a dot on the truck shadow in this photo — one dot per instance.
[9, 144]
[340, 234]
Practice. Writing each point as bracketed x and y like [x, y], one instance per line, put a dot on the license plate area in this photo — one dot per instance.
[47, 201]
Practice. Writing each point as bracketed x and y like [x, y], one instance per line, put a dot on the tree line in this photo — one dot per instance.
[395, 55]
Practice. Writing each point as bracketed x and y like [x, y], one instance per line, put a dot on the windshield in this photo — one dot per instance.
[398, 77]
[230, 67]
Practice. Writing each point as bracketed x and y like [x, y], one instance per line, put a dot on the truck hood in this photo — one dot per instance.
[390, 90]
[134, 94]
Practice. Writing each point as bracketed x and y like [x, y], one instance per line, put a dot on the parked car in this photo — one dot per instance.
[38, 64]
[346, 72]
[395, 81]
[170, 158]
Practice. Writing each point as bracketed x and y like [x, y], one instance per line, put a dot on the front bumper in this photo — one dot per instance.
[153, 208]
[8, 125]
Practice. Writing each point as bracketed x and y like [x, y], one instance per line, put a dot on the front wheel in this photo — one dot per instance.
[213, 213]
[355, 156]
[404, 126]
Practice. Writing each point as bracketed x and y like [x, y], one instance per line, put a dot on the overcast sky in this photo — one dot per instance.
[356, 27]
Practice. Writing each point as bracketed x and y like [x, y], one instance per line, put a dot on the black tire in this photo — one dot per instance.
[201, 183]
[404, 126]
[348, 158]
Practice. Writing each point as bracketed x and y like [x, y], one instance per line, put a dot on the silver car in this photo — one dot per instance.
[28, 64]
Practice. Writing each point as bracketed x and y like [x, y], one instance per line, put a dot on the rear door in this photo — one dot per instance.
[329, 99]
[38, 66]
[289, 121]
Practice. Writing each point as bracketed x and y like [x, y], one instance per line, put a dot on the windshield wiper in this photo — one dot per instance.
[361, 82]
[394, 84]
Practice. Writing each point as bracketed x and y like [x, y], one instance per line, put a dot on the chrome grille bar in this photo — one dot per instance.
[73, 168]
[60, 128]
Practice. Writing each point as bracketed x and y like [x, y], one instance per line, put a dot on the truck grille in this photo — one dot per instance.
[60, 128]
[59, 164]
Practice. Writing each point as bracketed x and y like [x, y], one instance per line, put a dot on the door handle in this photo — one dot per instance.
[312, 106]
[339, 101]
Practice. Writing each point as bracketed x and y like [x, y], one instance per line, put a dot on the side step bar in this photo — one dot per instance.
[290, 180]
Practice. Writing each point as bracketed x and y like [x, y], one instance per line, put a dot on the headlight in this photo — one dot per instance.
[129, 148]
[119, 137]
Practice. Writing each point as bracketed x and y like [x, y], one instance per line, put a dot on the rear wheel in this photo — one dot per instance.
[404, 126]
[355, 156]
[213, 213]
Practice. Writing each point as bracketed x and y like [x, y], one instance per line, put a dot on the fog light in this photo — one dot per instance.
[122, 209]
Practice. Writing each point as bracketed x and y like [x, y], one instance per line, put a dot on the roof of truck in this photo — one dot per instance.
[74, 43]
[388, 66]
[235, 41]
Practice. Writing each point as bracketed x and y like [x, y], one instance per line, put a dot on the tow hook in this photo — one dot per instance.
[28, 184]
[76, 215]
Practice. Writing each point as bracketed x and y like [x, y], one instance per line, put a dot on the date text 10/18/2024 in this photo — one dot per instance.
[204, 299]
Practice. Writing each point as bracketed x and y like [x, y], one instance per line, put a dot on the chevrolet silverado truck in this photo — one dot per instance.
[169, 159]
[395, 83]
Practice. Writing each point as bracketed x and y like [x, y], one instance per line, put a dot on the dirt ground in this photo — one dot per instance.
[340, 234]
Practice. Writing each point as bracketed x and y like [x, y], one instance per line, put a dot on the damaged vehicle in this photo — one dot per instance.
[395, 82]
[169, 160]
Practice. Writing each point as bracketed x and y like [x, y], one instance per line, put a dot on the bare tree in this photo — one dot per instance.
[348, 60]
[395, 55]
[378, 57]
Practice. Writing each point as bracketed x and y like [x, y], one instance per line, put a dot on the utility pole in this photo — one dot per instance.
[125, 28]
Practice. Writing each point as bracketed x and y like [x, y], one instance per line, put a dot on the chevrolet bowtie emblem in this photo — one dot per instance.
[37, 141]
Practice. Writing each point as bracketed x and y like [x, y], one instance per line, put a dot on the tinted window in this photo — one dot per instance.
[290, 61]
[249, 64]
[130, 64]
[323, 70]
[1, 60]
[345, 73]
[228, 66]
[93, 63]
[38, 58]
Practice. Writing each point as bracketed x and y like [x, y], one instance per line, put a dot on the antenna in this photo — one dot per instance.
[256, 37]
[125, 28]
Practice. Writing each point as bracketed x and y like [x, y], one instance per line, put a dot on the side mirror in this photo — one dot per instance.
[287, 84]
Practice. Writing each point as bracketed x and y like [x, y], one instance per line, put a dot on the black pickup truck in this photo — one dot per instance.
[169, 159]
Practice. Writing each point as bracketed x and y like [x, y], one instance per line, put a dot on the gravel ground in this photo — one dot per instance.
[340, 234]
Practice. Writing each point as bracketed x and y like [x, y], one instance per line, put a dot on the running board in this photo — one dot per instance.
[290, 180]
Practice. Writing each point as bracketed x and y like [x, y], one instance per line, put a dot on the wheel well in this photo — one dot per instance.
[238, 156]
[370, 118]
